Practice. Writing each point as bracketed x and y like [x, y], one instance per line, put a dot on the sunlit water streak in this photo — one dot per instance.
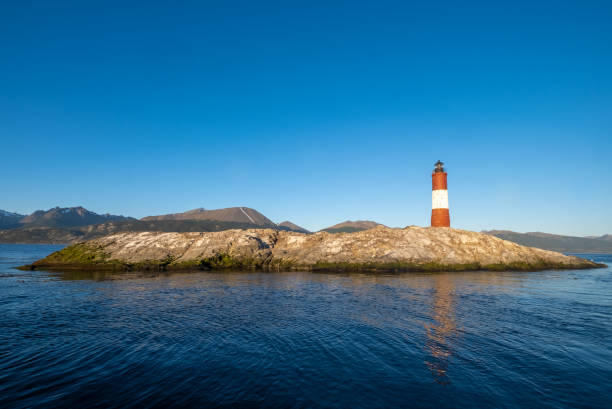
[282, 340]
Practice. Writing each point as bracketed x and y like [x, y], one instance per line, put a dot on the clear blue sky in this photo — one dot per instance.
[316, 112]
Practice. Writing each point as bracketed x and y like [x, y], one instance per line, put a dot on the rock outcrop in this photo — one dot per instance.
[379, 249]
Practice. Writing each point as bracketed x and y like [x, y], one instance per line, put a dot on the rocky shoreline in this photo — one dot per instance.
[379, 249]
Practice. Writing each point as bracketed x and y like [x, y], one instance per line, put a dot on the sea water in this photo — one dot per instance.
[298, 340]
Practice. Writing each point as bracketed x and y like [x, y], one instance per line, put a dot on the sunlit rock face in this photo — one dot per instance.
[381, 248]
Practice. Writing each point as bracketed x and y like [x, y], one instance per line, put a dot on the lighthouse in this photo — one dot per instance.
[439, 197]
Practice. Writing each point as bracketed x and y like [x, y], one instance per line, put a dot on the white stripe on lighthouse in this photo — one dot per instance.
[439, 199]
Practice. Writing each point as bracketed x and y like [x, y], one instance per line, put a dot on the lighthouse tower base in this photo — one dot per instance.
[440, 218]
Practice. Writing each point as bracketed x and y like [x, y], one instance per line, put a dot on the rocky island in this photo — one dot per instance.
[379, 249]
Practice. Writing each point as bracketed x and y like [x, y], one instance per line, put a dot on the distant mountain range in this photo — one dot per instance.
[555, 242]
[68, 217]
[56, 217]
[70, 224]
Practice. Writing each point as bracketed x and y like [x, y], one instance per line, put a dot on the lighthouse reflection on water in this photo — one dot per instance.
[443, 330]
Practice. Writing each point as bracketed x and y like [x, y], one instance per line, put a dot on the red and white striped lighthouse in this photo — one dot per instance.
[439, 197]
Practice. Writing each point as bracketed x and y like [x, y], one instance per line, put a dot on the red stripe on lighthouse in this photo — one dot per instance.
[438, 181]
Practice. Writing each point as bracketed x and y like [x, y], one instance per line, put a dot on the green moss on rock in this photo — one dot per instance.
[79, 253]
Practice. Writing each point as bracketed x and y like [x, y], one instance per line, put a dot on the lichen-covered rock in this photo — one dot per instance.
[382, 248]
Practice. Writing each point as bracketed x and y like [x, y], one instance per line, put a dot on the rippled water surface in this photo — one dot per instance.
[283, 340]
